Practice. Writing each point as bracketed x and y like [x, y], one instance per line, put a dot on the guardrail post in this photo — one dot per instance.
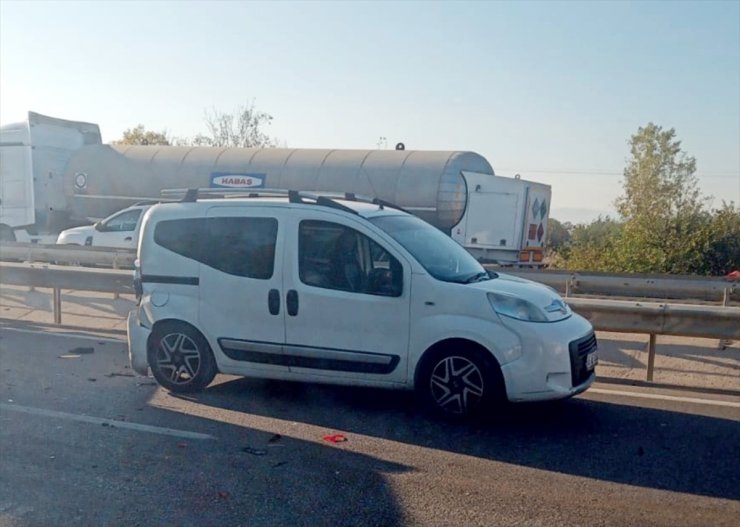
[57, 305]
[567, 288]
[726, 297]
[651, 357]
[116, 296]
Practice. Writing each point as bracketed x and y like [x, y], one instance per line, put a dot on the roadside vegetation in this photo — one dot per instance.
[664, 225]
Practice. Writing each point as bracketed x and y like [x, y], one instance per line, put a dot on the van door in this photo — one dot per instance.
[347, 303]
[241, 304]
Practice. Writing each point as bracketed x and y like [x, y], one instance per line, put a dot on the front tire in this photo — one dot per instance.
[180, 358]
[460, 381]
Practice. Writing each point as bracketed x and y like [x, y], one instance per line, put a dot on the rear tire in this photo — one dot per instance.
[460, 381]
[180, 358]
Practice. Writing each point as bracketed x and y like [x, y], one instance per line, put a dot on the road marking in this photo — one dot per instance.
[184, 434]
[659, 397]
[63, 334]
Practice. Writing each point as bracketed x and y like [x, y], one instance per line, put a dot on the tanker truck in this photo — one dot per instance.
[60, 175]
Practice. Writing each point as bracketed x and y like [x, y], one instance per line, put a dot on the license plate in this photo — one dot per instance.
[591, 361]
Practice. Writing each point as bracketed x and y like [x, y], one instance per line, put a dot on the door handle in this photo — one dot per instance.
[273, 301]
[127, 239]
[291, 302]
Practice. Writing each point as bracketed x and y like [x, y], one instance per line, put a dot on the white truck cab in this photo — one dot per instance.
[119, 230]
[307, 287]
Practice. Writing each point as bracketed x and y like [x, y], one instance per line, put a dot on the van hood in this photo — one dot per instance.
[542, 296]
[76, 235]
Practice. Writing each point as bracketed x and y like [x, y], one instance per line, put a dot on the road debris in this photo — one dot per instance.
[335, 438]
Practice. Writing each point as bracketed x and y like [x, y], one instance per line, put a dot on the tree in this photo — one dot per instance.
[661, 206]
[719, 242]
[595, 246]
[557, 242]
[241, 128]
[558, 234]
[141, 136]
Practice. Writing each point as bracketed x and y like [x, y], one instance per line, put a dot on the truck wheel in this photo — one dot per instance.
[180, 358]
[460, 381]
[7, 234]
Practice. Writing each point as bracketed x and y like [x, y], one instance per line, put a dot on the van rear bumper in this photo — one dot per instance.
[138, 336]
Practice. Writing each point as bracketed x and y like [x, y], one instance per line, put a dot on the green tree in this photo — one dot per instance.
[558, 234]
[661, 206]
[242, 128]
[718, 242]
[595, 246]
[557, 242]
[141, 136]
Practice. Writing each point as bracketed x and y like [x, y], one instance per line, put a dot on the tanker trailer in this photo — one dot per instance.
[455, 191]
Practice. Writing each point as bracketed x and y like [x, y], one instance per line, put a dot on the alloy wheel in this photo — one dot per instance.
[178, 358]
[456, 385]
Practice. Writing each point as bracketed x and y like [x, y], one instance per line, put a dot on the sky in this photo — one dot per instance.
[548, 90]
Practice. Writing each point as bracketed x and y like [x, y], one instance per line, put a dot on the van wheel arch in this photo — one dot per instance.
[480, 357]
[198, 349]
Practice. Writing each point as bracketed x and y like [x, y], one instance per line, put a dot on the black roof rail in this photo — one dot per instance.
[325, 199]
[328, 202]
[190, 196]
[383, 203]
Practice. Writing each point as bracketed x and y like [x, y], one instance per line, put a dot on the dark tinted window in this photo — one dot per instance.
[333, 256]
[238, 246]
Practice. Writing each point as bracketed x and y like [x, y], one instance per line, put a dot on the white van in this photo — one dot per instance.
[312, 288]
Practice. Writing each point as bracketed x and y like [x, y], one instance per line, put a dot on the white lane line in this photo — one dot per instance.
[63, 334]
[659, 397]
[184, 434]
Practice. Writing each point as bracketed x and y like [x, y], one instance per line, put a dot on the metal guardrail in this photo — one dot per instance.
[681, 320]
[634, 285]
[606, 315]
[566, 282]
[68, 254]
[59, 277]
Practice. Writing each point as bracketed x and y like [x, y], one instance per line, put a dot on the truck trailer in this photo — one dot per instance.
[56, 174]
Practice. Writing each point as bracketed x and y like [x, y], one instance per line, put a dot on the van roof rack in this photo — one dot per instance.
[326, 199]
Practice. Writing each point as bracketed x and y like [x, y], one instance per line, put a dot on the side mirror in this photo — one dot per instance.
[98, 226]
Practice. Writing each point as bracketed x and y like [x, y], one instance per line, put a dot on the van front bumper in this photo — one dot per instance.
[547, 368]
[138, 336]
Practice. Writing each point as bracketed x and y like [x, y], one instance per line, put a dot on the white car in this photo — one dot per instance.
[119, 230]
[340, 291]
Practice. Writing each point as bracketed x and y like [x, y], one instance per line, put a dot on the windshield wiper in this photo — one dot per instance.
[477, 277]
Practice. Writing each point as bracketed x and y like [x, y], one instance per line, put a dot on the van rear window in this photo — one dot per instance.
[237, 246]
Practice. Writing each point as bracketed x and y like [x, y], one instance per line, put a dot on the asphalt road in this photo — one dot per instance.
[84, 442]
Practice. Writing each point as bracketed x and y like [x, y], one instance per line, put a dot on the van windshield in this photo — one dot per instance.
[440, 255]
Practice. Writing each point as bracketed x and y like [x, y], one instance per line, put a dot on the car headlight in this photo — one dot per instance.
[514, 307]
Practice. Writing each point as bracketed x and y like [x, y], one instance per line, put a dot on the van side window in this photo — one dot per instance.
[237, 246]
[333, 256]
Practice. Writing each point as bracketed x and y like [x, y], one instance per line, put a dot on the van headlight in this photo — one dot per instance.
[515, 307]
